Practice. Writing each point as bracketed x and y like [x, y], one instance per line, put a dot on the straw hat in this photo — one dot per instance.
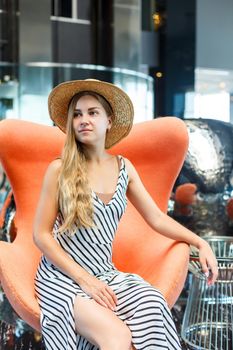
[60, 96]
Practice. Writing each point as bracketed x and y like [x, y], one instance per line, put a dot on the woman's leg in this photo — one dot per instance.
[100, 326]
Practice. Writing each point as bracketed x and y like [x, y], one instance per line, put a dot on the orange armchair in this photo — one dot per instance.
[157, 149]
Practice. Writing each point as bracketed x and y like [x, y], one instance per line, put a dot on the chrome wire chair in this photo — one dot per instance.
[208, 318]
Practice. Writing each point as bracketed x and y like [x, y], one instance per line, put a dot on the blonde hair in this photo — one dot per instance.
[74, 194]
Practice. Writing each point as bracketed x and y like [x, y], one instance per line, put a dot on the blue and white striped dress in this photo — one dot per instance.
[140, 305]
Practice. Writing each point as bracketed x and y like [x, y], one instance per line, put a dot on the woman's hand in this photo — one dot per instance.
[99, 291]
[208, 262]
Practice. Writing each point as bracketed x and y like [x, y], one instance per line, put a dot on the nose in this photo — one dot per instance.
[84, 122]
[84, 119]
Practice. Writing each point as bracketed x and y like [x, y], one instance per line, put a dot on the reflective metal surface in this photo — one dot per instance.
[208, 165]
[209, 159]
[7, 230]
[208, 318]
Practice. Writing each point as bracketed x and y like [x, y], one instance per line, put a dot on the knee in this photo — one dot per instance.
[117, 339]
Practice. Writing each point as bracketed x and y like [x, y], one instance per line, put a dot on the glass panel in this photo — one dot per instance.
[84, 9]
[127, 34]
[53, 9]
[64, 8]
[8, 97]
[33, 93]
[28, 100]
[212, 96]
[6, 106]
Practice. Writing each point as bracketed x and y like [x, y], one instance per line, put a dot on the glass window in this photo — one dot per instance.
[61, 8]
[53, 10]
[84, 9]
[64, 8]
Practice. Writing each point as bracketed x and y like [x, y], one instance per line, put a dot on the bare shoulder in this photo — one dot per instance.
[132, 172]
[55, 165]
[128, 163]
[52, 171]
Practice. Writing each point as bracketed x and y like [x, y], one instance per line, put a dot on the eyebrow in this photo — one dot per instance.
[89, 109]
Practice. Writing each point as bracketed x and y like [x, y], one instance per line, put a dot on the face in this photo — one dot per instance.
[90, 121]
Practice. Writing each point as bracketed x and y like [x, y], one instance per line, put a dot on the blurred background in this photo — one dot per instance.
[172, 57]
[175, 55]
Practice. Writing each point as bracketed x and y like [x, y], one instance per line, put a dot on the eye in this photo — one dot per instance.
[94, 113]
[77, 114]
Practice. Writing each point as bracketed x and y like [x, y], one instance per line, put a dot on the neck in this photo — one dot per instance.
[95, 154]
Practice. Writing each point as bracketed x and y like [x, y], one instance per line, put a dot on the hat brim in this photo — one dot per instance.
[60, 97]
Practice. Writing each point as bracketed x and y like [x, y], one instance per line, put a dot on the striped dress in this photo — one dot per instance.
[140, 305]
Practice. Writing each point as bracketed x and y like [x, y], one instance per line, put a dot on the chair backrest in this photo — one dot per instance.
[157, 149]
[26, 148]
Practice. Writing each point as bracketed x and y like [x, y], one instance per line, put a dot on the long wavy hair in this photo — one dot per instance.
[74, 194]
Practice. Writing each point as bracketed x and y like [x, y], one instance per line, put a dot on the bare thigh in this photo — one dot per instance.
[98, 324]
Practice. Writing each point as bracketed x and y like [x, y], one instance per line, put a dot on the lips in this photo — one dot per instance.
[84, 130]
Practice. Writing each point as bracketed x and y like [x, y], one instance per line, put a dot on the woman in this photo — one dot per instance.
[86, 303]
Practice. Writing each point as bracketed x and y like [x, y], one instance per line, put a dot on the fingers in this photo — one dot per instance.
[112, 295]
[106, 297]
[213, 275]
[208, 263]
[105, 300]
[100, 301]
[214, 270]
[99, 291]
[204, 266]
[210, 270]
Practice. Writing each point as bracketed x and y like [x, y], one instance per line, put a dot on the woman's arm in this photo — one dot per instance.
[46, 214]
[165, 225]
